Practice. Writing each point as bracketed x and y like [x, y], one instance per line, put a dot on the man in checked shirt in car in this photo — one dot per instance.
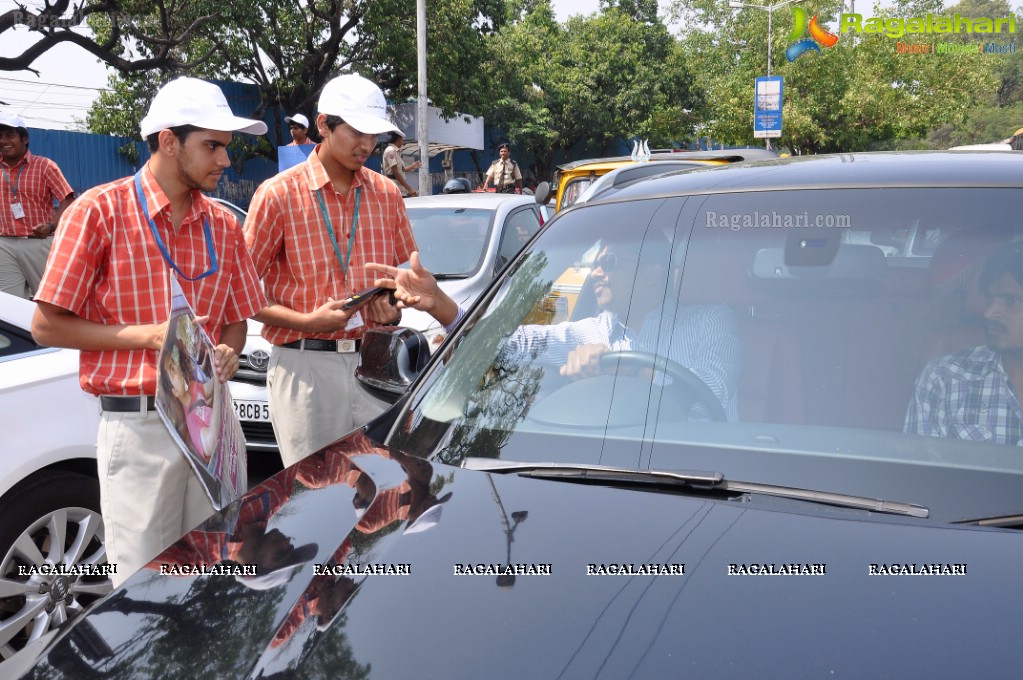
[974, 394]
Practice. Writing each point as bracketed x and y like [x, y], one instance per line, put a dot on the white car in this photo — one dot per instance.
[49, 494]
[464, 239]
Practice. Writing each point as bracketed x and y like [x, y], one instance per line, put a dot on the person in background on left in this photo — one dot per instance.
[107, 292]
[31, 186]
[298, 125]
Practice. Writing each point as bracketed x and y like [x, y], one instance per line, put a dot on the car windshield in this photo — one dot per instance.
[768, 343]
[452, 241]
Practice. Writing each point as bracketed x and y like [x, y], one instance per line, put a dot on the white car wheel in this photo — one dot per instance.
[52, 525]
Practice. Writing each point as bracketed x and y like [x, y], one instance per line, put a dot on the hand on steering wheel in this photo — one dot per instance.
[690, 388]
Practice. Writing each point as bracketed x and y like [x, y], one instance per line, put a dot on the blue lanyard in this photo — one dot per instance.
[344, 262]
[17, 180]
[207, 232]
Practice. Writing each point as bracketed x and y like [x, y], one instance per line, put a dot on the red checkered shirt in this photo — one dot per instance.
[287, 237]
[105, 267]
[39, 184]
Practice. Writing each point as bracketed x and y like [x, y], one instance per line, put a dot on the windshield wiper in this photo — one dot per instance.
[450, 277]
[600, 473]
[696, 479]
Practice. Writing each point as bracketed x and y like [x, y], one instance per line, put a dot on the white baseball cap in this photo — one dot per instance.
[11, 120]
[190, 101]
[359, 102]
[297, 118]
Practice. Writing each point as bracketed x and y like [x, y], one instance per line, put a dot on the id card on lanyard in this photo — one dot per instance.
[207, 232]
[356, 319]
[346, 260]
[17, 210]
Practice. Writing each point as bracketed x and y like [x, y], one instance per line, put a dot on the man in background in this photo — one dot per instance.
[504, 173]
[393, 168]
[298, 126]
[28, 220]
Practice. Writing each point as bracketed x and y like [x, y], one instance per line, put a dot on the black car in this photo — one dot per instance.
[753, 478]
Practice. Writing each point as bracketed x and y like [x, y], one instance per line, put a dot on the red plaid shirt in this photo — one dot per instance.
[39, 183]
[287, 237]
[105, 267]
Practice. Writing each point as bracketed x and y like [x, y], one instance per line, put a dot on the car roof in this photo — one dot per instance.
[841, 171]
[727, 155]
[480, 200]
[15, 310]
[634, 172]
[992, 146]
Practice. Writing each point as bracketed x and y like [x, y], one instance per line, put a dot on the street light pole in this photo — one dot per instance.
[422, 127]
[736, 4]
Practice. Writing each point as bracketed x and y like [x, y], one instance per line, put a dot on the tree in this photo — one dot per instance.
[855, 95]
[289, 50]
[588, 82]
[55, 23]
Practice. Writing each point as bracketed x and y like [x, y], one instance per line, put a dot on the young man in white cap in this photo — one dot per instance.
[31, 185]
[106, 291]
[298, 126]
[310, 230]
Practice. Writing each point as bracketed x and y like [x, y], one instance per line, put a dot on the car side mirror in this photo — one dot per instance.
[542, 193]
[392, 358]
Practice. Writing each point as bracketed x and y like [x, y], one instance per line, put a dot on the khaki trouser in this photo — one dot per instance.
[315, 399]
[149, 495]
[22, 261]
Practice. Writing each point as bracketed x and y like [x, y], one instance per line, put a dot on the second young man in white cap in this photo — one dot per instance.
[106, 291]
[310, 230]
[298, 126]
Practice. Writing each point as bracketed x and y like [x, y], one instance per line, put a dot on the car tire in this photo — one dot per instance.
[51, 519]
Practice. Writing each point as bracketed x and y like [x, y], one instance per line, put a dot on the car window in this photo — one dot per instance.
[744, 334]
[14, 342]
[752, 322]
[451, 241]
[574, 189]
[518, 229]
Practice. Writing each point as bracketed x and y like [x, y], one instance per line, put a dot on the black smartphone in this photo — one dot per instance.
[364, 296]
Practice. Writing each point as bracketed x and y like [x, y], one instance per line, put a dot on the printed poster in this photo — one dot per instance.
[196, 408]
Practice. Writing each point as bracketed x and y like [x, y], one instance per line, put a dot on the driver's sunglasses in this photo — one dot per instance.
[608, 262]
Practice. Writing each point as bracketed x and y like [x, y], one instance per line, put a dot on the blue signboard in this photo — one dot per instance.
[767, 107]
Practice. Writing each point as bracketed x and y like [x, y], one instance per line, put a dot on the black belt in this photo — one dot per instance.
[127, 404]
[317, 345]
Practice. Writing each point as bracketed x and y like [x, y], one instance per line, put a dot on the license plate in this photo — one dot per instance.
[252, 410]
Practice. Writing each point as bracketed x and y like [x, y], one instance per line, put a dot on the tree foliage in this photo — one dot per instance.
[289, 50]
[616, 74]
[859, 94]
[161, 33]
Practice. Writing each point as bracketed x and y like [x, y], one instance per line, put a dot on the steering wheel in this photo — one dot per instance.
[684, 382]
